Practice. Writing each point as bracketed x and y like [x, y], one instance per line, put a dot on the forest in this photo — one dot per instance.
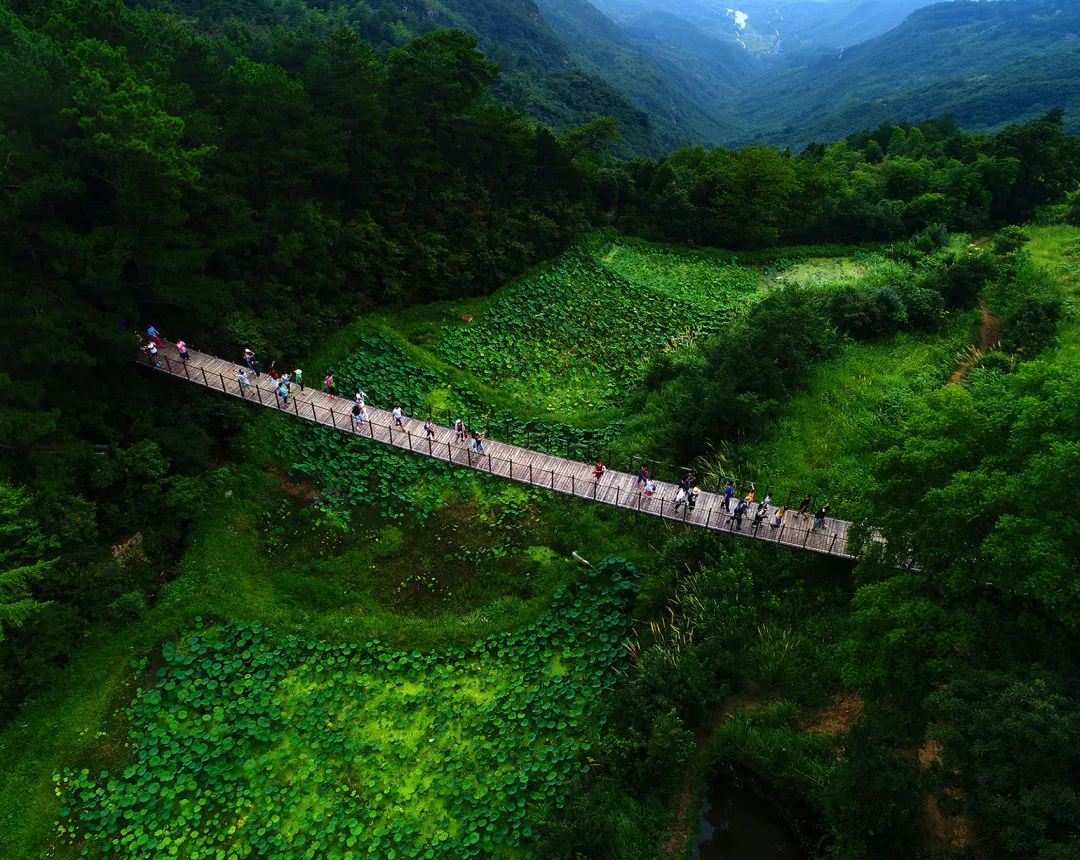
[887, 320]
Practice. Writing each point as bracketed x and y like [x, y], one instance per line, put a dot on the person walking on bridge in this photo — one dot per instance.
[359, 416]
[642, 477]
[283, 393]
[329, 384]
[459, 430]
[298, 378]
[729, 491]
[244, 382]
[680, 497]
[778, 518]
[740, 512]
[251, 361]
[598, 471]
[182, 349]
[361, 396]
[429, 429]
[752, 494]
[804, 506]
[819, 517]
[399, 417]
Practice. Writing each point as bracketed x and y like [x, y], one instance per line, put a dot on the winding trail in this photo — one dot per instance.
[503, 460]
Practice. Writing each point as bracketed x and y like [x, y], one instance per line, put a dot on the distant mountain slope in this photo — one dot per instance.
[986, 63]
[776, 26]
[713, 68]
[680, 111]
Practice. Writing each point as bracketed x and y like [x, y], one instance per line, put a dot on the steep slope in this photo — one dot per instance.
[986, 63]
[539, 76]
[713, 68]
[680, 113]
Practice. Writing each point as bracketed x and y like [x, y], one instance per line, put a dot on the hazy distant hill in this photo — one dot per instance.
[775, 26]
[987, 63]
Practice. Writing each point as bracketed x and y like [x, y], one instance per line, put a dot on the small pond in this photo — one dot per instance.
[737, 822]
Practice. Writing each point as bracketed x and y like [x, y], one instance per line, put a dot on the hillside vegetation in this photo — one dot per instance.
[226, 632]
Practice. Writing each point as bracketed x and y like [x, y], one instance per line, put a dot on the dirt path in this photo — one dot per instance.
[989, 337]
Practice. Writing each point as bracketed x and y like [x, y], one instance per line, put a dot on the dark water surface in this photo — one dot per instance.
[737, 823]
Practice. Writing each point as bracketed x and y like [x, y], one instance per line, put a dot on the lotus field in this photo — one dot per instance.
[580, 333]
[253, 745]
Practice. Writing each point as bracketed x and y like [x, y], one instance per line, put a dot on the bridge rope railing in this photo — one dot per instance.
[538, 469]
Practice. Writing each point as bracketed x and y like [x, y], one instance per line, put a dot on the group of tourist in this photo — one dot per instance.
[687, 491]
[687, 494]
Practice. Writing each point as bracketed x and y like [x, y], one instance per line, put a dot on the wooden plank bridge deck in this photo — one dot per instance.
[558, 474]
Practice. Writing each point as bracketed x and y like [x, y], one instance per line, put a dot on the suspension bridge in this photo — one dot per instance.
[511, 462]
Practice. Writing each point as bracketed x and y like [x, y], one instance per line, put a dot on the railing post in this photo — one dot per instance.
[370, 429]
[491, 468]
[449, 452]
[511, 468]
[168, 364]
[661, 507]
[333, 416]
[807, 538]
[780, 536]
[258, 393]
[429, 443]
[204, 380]
[408, 436]
[531, 482]
[390, 430]
[573, 486]
[708, 518]
[314, 414]
[616, 497]
[831, 545]
[222, 375]
[296, 407]
[187, 373]
[595, 487]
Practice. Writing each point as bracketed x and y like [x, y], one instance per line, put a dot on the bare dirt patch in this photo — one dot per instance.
[302, 490]
[838, 716]
[951, 833]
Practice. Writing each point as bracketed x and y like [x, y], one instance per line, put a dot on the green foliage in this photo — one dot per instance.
[387, 751]
[23, 545]
[1009, 745]
[847, 191]
[580, 334]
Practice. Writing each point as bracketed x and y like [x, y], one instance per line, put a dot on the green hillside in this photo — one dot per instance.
[985, 63]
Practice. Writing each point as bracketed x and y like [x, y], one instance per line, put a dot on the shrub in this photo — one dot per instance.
[1032, 327]
[866, 313]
